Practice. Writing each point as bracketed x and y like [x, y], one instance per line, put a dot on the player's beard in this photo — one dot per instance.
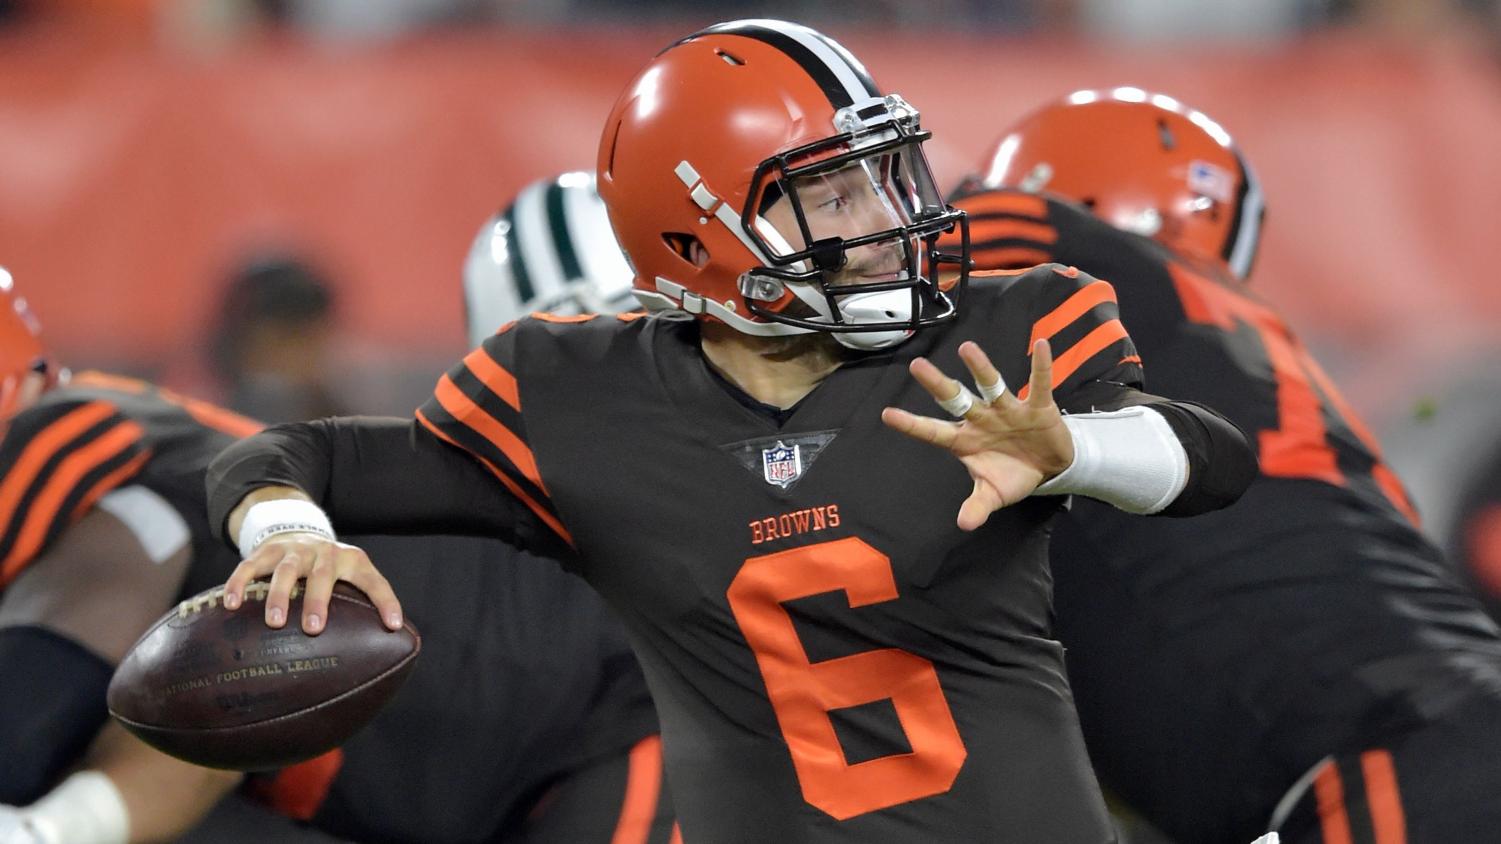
[817, 348]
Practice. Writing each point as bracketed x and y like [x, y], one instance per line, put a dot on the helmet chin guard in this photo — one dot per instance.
[877, 161]
[886, 307]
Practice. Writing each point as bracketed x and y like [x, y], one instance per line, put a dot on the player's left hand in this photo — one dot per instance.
[1009, 445]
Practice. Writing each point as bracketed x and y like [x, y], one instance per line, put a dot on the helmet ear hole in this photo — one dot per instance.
[687, 247]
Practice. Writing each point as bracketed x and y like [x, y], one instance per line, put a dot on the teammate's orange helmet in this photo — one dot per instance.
[726, 122]
[21, 349]
[1143, 162]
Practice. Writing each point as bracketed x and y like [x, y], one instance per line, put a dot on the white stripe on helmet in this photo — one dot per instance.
[843, 65]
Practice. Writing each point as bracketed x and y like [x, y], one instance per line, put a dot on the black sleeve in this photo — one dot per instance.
[372, 475]
[1221, 462]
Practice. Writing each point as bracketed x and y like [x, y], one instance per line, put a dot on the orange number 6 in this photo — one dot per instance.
[803, 693]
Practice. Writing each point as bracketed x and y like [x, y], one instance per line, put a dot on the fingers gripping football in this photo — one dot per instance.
[292, 557]
[1008, 445]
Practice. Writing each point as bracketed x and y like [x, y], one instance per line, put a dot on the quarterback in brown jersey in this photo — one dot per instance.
[1306, 656]
[748, 476]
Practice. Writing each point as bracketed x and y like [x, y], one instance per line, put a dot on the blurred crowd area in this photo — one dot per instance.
[267, 202]
[1150, 19]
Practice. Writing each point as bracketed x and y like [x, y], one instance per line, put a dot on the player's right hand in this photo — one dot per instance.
[290, 557]
[1008, 445]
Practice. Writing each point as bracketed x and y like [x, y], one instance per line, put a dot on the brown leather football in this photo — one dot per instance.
[221, 689]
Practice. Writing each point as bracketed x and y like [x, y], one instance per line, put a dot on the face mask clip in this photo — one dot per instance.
[829, 254]
[761, 288]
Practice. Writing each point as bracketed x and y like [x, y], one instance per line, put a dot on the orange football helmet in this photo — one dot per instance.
[21, 349]
[1143, 162]
[721, 127]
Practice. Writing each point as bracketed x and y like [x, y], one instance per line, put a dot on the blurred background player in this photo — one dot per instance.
[270, 347]
[1307, 642]
[551, 250]
[466, 752]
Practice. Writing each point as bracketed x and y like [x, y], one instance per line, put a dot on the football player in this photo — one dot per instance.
[104, 482]
[97, 537]
[1305, 653]
[551, 250]
[834, 656]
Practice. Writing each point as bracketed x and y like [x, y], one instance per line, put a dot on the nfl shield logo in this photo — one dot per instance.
[1211, 181]
[781, 464]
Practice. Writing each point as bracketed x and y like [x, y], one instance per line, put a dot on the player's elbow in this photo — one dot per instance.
[1222, 463]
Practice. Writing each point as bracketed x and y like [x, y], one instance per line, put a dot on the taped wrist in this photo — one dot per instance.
[266, 519]
[1129, 458]
[51, 706]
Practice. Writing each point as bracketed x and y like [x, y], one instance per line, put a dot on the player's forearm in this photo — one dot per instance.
[284, 461]
[1182, 460]
[371, 475]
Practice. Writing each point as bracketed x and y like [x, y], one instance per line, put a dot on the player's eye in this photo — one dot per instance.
[837, 202]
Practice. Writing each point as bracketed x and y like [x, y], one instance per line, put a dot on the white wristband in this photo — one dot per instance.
[85, 808]
[266, 519]
[1128, 458]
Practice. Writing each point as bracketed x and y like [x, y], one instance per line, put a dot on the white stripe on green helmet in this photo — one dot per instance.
[551, 250]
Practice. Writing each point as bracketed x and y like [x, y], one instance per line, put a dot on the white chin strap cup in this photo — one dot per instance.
[871, 308]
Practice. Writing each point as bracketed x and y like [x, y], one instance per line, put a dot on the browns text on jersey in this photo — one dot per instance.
[797, 522]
